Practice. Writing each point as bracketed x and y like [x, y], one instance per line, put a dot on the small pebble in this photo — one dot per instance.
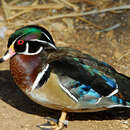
[54, 11]
[125, 122]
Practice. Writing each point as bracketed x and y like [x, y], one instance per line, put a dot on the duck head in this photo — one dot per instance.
[28, 40]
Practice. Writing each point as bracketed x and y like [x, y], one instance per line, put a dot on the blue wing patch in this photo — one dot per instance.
[108, 80]
[117, 100]
[85, 90]
[88, 96]
[80, 91]
[111, 82]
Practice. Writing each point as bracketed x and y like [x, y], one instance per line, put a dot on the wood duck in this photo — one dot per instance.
[63, 78]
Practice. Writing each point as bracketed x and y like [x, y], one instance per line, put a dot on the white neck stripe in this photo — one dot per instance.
[39, 77]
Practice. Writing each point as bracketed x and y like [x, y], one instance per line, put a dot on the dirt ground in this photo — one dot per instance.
[17, 112]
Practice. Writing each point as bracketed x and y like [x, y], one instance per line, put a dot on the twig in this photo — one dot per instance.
[110, 28]
[87, 1]
[43, 1]
[80, 14]
[5, 8]
[85, 20]
[2, 24]
[35, 3]
[13, 2]
[76, 8]
[44, 6]
[127, 53]
[22, 12]
[57, 1]
[17, 14]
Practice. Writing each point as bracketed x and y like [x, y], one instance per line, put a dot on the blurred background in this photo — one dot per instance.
[100, 28]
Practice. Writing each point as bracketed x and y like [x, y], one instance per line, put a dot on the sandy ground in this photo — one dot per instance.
[17, 112]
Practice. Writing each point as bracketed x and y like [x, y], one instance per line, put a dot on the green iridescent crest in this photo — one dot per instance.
[26, 31]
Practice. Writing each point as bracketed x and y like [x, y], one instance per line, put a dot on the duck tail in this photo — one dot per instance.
[123, 86]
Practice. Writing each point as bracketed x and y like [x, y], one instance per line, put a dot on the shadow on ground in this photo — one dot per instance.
[12, 95]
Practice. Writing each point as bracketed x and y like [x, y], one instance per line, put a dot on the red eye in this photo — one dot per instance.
[20, 42]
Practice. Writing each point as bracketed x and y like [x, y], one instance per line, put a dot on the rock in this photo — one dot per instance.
[3, 29]
[58, 26]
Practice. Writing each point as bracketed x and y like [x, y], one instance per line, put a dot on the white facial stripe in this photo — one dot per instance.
[39, 77]
[26, 52]
[40, 49]
[27, 48]
[45, 42]
[46, 36]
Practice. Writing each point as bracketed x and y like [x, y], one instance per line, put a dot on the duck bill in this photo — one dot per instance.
[9, 53]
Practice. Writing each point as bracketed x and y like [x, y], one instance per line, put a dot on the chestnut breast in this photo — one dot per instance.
[24, 69]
